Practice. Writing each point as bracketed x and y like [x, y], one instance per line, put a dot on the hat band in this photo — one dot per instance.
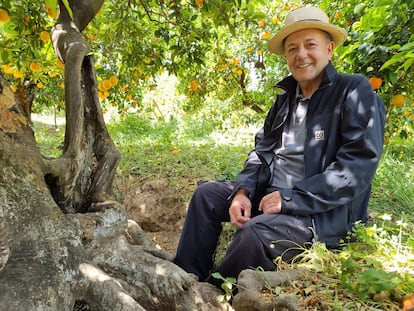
[310, 20]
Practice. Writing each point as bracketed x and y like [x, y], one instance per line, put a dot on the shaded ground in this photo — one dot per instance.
[157, 207]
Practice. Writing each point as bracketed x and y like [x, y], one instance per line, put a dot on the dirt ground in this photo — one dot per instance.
[157, 207]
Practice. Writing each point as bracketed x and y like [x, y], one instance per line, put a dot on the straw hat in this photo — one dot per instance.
[305, 18]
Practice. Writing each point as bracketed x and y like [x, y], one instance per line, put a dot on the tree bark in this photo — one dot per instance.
[81, 179]
[64, 241]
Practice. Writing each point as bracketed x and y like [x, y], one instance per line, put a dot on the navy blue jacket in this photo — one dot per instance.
[344, 141]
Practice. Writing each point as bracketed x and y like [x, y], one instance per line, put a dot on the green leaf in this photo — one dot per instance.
[51, 4]
[408, 64]
[217, 275]
[407, 46]
[9, 28]
[391, 62]
[227, 286]
[359, 8]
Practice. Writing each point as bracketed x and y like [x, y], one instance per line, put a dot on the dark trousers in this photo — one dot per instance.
[256, 244]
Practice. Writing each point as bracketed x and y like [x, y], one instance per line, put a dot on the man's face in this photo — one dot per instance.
[307, 52]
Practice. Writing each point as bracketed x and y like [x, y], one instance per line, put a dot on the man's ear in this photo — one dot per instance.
[331, 47]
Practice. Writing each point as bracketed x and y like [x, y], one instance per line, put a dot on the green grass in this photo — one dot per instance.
[393, 186]
[155, 148]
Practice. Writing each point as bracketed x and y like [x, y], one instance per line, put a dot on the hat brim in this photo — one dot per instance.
[337, 34]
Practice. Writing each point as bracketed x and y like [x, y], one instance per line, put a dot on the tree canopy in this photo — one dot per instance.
[216, 48]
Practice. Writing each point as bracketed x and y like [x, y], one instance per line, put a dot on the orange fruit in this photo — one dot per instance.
[40, 85]
[262, 23]
[4, 16]
[45, 36]
[107, 84]
[175, 152]
[17, 74]
[59, 63]
[275, 20]
[7, 69]
[265, 35]
[199, 2]
[52, 12]
[101, 87]
[375, 82]
[235, 61]
[114, 80]
[91, 36]
[398, 100]
[193, 85]
[408, 303]
[34, 66]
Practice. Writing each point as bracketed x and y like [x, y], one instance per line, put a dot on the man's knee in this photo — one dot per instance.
[205, 188]
[278, 235]
[213, 192]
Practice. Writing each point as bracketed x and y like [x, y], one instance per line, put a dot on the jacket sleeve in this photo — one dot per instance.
[254, 171]
[247, 179]
[357, 153]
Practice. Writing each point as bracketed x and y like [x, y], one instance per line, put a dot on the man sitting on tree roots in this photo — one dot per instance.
[309, 175]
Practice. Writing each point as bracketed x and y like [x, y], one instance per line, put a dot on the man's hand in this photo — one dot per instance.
[271, 203]
[240, 208]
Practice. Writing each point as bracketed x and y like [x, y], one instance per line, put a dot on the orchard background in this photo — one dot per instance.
[212, 53]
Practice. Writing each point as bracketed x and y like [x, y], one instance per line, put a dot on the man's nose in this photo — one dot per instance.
[301, 52]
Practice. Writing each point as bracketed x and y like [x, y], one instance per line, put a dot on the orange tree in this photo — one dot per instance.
[381, 46]
[26, 53]
[216, 48]
[133, 42]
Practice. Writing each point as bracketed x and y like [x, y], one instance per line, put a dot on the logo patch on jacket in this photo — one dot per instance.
[320, 135]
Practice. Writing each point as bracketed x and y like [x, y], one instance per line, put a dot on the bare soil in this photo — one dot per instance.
[157, 207]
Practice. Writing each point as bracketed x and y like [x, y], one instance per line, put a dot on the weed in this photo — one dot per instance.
[229, 285]
[372, 273]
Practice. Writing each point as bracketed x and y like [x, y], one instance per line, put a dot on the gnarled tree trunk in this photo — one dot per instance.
[81, 179]
[64, 241]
